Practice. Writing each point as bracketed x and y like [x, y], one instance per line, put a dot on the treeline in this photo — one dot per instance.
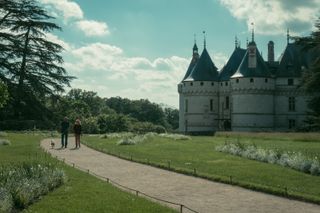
[98, 115]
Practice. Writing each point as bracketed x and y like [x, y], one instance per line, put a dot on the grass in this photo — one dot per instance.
[198, 157]
[81, 193]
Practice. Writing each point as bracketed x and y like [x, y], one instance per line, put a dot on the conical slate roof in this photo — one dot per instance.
[293, 60]
[232, 65]
[190, 68]
[204, 70]
[261, 69]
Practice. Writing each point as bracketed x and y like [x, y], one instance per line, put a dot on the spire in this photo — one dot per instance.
[252, 24]
[204, 39]
[195, 54]
[195, 48]
[236, 42]
[288, 36]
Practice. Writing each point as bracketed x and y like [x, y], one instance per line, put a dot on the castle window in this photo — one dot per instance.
[292, 123]
[212, 84]
[211, 105]
[201, 83]
[221, 84]
[186, 105]
[227, 102]
[191, 84]
[290, 81]
[237, 80]
[266, 80]
[226, 83]
[292, 103]
[251, 80]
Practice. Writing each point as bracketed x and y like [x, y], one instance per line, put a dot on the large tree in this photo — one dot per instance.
[3, 94]
[30, 64]
[311, 78]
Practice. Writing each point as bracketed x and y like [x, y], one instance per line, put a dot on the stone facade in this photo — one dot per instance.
[250, 94]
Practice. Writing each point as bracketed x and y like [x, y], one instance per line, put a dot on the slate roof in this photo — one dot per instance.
[190, 68]
[232, 65]
[261, 70]
[193, 62]
[204, 69]
[293, 60]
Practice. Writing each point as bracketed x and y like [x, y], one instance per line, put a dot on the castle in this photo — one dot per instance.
[247, 94]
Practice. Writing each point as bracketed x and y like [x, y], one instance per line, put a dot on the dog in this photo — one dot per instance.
[52, 144]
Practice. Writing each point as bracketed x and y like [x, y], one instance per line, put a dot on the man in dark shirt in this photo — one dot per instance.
[64, 132]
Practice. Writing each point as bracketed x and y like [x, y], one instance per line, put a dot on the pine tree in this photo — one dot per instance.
[29, 63]
[3, 94]
[311, 78]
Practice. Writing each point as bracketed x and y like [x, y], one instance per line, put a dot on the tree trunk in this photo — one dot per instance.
[22, 74]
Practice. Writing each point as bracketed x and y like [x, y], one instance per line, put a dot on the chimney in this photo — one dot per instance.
[252, 59]
[270, 51]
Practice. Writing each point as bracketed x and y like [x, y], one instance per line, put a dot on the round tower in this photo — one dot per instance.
[252, 88]
[198, 96]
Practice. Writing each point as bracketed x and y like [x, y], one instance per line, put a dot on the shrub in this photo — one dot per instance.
[4, 142]
[6, 201]
[175, 136]
[3, 134]
[117, 135]
[90, 125]
[294, 160]
[126, 141]
[145, 127]
[133, 140]
[20, 185]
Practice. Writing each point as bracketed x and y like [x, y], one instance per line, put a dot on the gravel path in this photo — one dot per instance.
[199, 194]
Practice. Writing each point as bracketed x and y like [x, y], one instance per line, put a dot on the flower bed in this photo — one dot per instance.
[294, 160]
[21, 185]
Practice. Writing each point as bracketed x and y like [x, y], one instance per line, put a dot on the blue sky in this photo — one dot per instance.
[141, 48]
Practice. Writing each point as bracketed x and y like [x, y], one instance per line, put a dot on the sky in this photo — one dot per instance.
[140, 49]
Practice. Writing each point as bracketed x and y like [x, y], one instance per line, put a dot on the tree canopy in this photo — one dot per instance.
[4, 95]
[30, 64]
[311, 78]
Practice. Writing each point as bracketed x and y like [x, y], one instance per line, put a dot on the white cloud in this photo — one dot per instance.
[93, 28]
[219, 59]
[105, 69]
[96, 56]
[273, 17]
[69, 9]
[53, 38]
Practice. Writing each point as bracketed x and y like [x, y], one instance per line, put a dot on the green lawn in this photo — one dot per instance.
[199, 154]
[82, 192]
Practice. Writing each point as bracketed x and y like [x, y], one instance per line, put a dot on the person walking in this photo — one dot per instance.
[64, 132]
[77, 132]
